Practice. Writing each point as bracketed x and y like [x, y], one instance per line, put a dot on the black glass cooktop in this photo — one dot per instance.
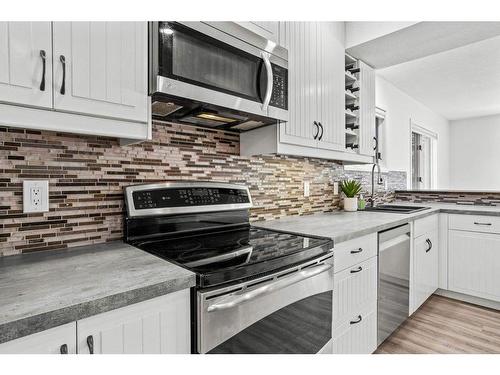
[236, 254]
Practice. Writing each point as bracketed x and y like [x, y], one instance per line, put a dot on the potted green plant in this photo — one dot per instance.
[351, 189]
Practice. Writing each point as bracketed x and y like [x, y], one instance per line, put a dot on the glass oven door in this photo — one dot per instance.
[285, 313]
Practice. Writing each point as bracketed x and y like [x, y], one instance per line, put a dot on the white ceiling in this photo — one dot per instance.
[458, 83]
[415, 40]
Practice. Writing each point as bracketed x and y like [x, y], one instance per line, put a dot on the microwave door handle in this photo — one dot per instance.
[238, 299]
[269, 88]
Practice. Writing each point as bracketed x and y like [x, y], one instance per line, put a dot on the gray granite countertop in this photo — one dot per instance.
[43, 290]
[342, 226]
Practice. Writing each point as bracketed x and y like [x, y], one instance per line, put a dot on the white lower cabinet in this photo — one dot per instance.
[425, 267]
[160, 325]
[358, 336]
[355, 299]
[58, 340]
[474, 264]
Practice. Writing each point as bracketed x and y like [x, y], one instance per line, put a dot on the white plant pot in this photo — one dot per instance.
[351, 204]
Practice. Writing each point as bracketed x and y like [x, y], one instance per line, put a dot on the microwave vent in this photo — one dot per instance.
[164, 108]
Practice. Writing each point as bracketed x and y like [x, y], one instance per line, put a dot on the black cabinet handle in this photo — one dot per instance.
[357, 251]
[64, 349]
[359, 269]
[317, 129]
[478, 223]
[63, 84]
[43, 55]
[376, 143]
[356, 321]
[322, 130]
[90, 344]
[429, 242]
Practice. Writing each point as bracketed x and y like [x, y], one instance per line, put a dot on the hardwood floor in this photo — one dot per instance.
[444, 325]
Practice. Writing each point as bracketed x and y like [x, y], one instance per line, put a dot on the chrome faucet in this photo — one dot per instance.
[379, 182]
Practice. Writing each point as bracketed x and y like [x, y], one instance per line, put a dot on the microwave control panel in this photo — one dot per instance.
[279, 96]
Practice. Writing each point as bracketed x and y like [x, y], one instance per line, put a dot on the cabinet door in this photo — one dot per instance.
[266, 29]
[23, 79]
[57, 340]
[357, 336]
[425, 271]
[474, 264]
[366, 109]
[105, 69]
[160, 325]
[331, 84]
[301, 40]
[355, 289]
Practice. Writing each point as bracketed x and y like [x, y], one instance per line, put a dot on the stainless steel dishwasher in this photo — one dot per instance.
[393, 280]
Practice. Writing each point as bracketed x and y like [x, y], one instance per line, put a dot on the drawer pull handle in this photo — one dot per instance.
[429, 242]
[357, 251]
[356, 321]
[90, 344]
[64, 349]
[359, 269]
[43, 55]
[62, 59]
[478, 223]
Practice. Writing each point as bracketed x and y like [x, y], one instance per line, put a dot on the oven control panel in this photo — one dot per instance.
[172, 197]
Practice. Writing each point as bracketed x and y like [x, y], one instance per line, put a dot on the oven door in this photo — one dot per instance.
[289, 312]
[197, 61]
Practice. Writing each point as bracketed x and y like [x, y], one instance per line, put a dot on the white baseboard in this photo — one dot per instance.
[470, 299]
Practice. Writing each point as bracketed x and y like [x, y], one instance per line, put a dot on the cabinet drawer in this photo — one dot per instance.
[424, 225]
[351, 252]
[475, 223]
[358, 336]
[354, 289]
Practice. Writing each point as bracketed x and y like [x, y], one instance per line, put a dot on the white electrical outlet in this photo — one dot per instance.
[335, 188]
[35, 196]
[306, 188]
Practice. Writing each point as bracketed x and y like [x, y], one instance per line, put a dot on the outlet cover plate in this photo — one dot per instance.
[306, 189]
[35, 196]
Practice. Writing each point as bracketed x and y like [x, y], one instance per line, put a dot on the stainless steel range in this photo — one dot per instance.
[257, 291]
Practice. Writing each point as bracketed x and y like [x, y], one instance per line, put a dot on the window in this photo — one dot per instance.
[423, 158]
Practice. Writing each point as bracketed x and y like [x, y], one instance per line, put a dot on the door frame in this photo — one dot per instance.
[416, 128]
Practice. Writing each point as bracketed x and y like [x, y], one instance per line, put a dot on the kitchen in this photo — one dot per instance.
[277, 187]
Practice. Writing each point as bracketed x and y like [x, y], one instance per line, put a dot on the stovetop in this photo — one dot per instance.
[225, 255]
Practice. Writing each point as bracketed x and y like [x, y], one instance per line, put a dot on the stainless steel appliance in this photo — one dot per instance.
[216, 74]
[393, 279]
[257, 290]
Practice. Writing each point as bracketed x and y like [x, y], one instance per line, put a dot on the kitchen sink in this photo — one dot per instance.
[398, 209]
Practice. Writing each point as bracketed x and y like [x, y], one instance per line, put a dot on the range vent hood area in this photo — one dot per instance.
[190, 112]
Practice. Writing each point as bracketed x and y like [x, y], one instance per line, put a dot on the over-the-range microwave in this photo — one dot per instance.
[217, 75]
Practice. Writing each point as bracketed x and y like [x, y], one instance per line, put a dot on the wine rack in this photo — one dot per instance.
[351, 104]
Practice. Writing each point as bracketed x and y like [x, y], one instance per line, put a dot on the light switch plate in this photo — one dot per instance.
[306, 188]
[335, 188]
[35, 196]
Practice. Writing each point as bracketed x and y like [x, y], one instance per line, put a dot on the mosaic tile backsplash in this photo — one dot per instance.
[458, 197]
[86, 176]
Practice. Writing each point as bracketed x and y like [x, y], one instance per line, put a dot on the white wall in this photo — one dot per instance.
[400, 108]
[475, 153]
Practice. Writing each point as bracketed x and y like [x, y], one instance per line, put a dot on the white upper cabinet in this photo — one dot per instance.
[267, 29]
[366, 109]
[316, 84]
[100, 68]
[301, 40]
[331, 85]
[26, 63]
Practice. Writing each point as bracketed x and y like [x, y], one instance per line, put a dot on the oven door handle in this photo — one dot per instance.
[269, 88]
[238, 299]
